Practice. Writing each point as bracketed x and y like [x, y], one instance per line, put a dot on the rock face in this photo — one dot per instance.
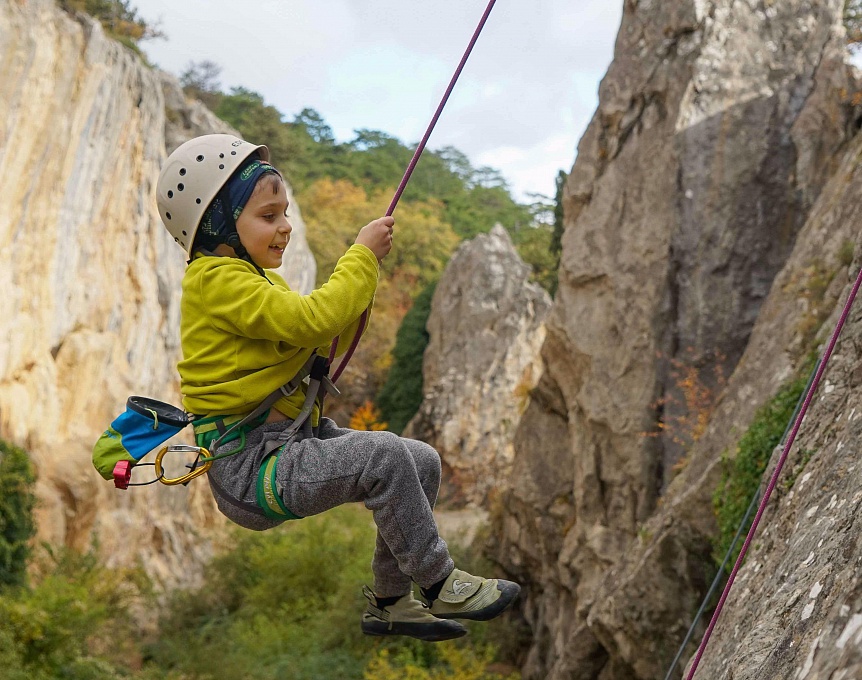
[486, 328]
[795, 607]
[91, 277]
[648, 600]
[718, 125]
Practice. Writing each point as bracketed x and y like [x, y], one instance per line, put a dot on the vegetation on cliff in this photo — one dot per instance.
[742, 474]
[119, 18]
[287, 603]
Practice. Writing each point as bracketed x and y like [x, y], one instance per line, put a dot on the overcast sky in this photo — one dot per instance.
[521, 104]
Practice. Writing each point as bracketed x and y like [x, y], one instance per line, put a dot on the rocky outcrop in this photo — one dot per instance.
[91, 277]
[482, 360]
[647, 602]
[794, 610]
[692, 182]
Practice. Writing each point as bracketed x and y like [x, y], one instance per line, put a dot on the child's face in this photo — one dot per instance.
[262, 225]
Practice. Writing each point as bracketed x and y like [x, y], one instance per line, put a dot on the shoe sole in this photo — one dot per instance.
[427, 632]
[508, 592]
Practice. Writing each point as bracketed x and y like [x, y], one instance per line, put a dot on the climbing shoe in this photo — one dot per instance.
[406, 616]
[464, 596]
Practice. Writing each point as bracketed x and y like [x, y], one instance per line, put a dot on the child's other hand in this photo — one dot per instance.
[377, 236]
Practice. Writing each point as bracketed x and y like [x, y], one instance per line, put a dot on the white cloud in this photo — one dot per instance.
[530, 85]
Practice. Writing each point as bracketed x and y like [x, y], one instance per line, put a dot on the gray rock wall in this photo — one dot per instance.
[692, 182]
[486, 327]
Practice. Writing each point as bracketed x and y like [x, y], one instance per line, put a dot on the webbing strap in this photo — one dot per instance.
[268, 498]
[283, 391]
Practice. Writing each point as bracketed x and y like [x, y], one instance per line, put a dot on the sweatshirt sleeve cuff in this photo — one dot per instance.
[367, 253]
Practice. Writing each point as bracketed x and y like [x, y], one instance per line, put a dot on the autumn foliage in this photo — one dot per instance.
[367, 417]
[689, 401]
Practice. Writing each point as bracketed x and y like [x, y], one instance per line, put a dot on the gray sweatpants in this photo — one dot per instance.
[397, 479]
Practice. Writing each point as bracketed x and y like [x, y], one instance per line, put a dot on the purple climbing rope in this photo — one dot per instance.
[421, 147]
[403, 185]
[774, 479]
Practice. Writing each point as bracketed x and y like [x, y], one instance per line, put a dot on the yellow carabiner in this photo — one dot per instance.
[181, 448]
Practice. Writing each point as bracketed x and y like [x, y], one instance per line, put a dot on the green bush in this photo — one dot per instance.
[75, 623]
[119, 18]
[741, 475]
[401, 394]
[16, 514]
[286, 603]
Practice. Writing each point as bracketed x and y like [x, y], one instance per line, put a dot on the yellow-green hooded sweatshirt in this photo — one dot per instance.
[243, 335]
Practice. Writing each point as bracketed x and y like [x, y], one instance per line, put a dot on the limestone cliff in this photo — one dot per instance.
[718, 125]
[485, 330]
[91, 278]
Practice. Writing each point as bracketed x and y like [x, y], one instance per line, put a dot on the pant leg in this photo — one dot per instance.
[397, 481]
[385, 565]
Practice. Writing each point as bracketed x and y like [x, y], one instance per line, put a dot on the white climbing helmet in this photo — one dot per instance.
[191, 178]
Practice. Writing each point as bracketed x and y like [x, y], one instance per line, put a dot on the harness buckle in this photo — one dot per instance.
[320, 368]
[186, 478]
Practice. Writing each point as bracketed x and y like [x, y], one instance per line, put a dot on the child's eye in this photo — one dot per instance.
[269, 216]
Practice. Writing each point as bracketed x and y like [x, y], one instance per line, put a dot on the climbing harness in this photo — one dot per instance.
[147, 423]
[193, 176]
[809, 395]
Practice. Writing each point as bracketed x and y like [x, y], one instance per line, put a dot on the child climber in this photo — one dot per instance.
[247, 342]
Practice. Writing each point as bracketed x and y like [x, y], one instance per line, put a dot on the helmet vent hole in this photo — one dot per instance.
[168, 215]
[199, 159]
[170, 194]
[221, 167]
[198, 201]
[233, 153]
[221, 155]
[184, 233]
[182, 172]
[181, 186]
[176, 239]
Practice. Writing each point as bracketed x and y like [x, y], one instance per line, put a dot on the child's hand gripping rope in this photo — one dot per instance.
[377, 236]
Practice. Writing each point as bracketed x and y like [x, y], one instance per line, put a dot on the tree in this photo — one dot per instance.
[201, 81]
[853, 23]
[401, 395]
[489, 178]
[16, 514]
[315, 126]
[456, 162]
[261, 123]
[557, 241]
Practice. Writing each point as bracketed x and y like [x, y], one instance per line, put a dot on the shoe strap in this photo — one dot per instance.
[459, 587]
